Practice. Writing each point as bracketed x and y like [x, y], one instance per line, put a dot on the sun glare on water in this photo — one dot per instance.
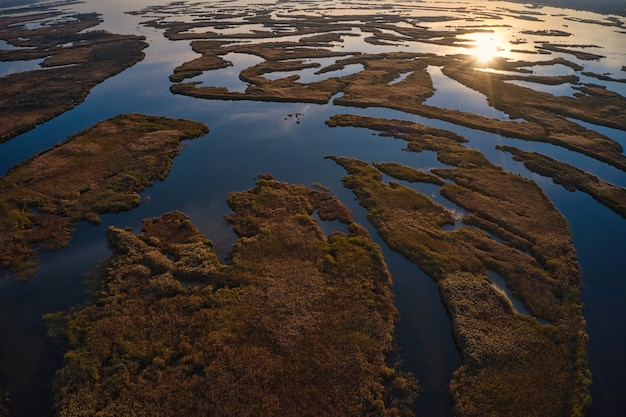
[486, 46]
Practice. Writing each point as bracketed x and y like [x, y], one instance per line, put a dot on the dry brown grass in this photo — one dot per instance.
[506, 355]
[572, 178]
[33, 97]
[298, 323]
[100, 170]
[406, 173]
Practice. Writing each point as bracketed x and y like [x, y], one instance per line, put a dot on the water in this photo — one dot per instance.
[517, 304]
[451, 94]
[13, 67]
[249, 138]
[229, 74]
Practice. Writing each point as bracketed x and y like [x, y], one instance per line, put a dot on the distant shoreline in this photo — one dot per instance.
[617, 7]
[598, 6]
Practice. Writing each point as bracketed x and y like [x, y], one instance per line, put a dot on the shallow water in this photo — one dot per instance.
[249, 138]
[12, 67]
[500, 284]
[566, 89]
[451, 94]
[230, 74]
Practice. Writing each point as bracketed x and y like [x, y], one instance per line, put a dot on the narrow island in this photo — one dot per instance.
[99, 170]
[73, 61]
[572, 178]
[297, 322]
[514, 364]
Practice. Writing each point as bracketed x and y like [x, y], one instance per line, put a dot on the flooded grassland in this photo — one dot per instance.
[512, 227]
[507, 355]
[295, 318]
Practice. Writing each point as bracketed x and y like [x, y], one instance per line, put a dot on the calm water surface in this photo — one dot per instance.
[249, 138]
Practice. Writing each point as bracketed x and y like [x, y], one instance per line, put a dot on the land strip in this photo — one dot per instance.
[572, 178]
[506, 355]
[99, 170]
[74, 60]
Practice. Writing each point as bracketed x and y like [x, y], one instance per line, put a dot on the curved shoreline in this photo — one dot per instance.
[75, 60]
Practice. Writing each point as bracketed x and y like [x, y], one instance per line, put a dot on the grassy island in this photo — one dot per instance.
[572, 178]
[297, 323]
[99, 170]
[514, 364]
[74, 60]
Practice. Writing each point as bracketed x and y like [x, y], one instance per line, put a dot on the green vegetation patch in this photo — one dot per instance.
[99, 170]
[297, 321]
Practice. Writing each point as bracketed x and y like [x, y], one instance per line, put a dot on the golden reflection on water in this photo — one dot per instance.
[487, 46]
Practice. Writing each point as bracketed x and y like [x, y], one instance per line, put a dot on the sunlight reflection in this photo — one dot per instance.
[486, 46]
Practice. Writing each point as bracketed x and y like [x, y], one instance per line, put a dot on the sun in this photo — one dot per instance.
[487, 46]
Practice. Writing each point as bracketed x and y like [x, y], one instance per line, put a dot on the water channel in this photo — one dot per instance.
[248, 138]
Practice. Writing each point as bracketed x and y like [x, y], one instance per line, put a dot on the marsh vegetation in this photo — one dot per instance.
[506, 355]
[572, 178]
[296, 321]
[99, 170]
[74, 60]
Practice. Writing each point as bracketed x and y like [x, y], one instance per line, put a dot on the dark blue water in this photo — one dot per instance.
[600, 239]
[249, 138]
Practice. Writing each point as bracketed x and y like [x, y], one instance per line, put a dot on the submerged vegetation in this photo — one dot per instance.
[99, 170]
[297, 323]
[513, 364]
[74, 60]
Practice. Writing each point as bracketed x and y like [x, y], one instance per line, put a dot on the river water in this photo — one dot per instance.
[248, 138]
